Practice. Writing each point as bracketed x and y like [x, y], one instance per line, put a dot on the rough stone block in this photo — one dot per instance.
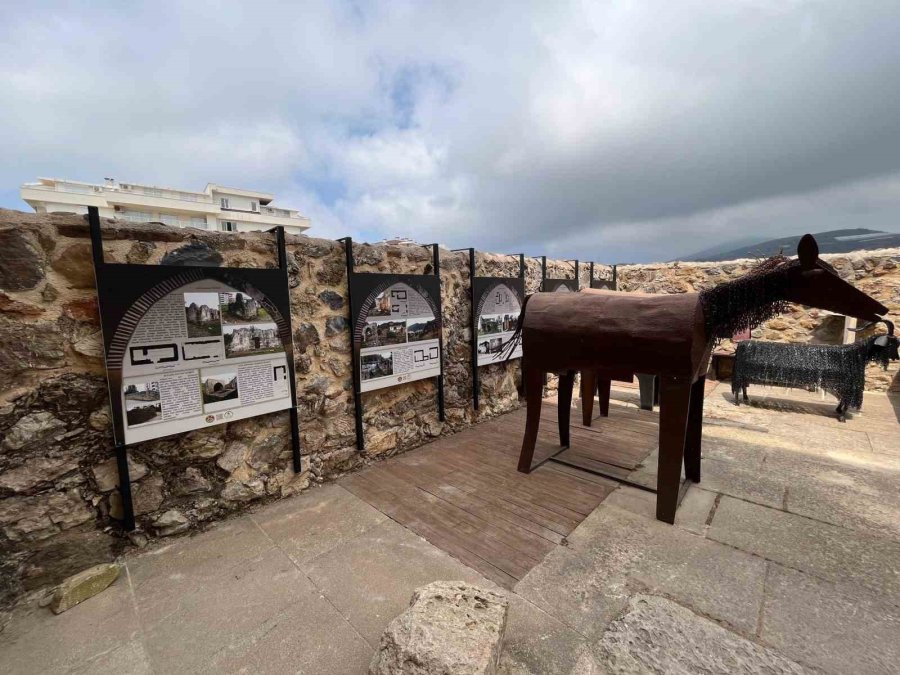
[450, 627]
[79, 587]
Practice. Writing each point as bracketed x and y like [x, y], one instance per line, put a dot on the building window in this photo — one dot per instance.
[224, 201]
[254, 207]
[229, 226]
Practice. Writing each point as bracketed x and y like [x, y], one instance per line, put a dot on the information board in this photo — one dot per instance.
[396, 328]
[397, 331]
[498, 303]
[192, 347]
[202, 354]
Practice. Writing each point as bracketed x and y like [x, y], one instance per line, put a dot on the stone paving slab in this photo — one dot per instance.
[310, 637]
[821, 549]
[371, 578]
[615, 553]
[656, 635]
[185, 633]
[839, 629]
[536, 642]
[691, 514]
[130, 658]
[316, 521]
[36, 641]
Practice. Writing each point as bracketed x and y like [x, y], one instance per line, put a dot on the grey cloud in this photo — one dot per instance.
[620, 131]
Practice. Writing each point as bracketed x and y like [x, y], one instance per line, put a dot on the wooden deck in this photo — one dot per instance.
[463, 493]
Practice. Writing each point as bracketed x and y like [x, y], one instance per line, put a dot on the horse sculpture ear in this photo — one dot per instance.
[807, 251]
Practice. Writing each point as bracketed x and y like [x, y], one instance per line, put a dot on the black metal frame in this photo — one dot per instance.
[357, 380]
[100, 266]
[544, 277]
[476, 384]
[614, 277]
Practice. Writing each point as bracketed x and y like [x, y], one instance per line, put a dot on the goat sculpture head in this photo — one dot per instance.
[811, 281]
[882, 348]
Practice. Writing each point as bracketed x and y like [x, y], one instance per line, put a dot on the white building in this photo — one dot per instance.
[216, 208]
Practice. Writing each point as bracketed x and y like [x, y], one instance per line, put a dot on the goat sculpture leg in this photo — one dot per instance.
[564, 398]
[694, 435]
[588, 387]
[674, 409]
[533, 380]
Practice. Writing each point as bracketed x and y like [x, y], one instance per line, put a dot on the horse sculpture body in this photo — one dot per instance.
[617, 335]
[838, 369]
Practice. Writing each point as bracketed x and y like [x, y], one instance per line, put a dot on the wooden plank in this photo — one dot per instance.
[486, 522]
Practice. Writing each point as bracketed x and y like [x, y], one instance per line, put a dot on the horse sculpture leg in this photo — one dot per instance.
[603, 388]
[693, 437]
[533, 380]
[564, 398]
[674, 408]
[588, 387]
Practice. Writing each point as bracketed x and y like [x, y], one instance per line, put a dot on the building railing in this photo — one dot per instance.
[165, 219]
[157, 193]
[110, 193]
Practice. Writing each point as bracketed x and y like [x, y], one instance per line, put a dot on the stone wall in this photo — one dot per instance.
[874, 272]
[58, 499]
[58, 479]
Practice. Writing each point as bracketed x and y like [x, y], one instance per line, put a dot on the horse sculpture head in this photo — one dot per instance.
[811, 281]
[764, 292]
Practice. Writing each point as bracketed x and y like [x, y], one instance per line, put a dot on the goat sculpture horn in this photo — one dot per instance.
[869, 324]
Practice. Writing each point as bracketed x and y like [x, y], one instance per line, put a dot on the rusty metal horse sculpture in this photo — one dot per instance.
[619, 334]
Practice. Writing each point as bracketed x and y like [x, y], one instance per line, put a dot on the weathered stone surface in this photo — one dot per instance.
[196, 254]
[33, 428]
[41, 516]
[74, 263]
[613, 551]
[809, 545]
[10, 305]
[28, 346]
[191, 482]
[140, 252]
[450, 627]
[657, 636]
[331, 299]
[171, 522]
[838, 628]
[83, 310]
[243, 491]
[146, 497]
[107, 473]
[305, 336]
[335, 325]
[82, 586]
[36, 471]
[22, 264]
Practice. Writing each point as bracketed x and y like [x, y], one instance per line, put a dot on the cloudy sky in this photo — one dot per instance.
[615, 131]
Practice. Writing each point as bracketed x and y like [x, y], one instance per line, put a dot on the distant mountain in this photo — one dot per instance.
[833, 241]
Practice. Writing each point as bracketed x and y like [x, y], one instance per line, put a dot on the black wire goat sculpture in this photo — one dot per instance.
[839, 370]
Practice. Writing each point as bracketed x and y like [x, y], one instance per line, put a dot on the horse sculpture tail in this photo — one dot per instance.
[508, 349]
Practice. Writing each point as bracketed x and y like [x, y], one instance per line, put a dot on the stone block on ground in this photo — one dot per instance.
[656, 635]
[82, 586]
[450, 628]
